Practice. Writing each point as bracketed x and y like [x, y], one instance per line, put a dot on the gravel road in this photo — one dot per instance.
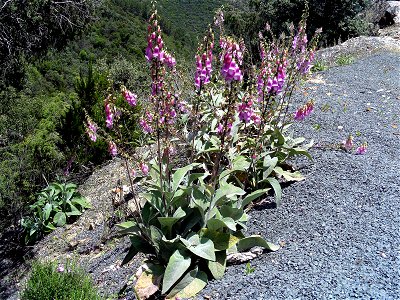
[340, 228]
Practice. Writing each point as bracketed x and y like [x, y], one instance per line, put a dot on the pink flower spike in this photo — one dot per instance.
[130, 97]
[299, 115]
[91, 131]
[149, 54]
[144, 168]
[112, 148]
[109, 116]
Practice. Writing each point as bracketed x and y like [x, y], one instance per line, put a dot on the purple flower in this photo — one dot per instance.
[145, 126]
[361, 150]
[112, 148]
[144, 168]
[109, 116]
[220, 128]
[245, 111]
[149, 53]
[129, 97]
[91, 130]
[348, 143]
[304, 111]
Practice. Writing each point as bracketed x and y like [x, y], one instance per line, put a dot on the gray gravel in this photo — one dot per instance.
[341, 226]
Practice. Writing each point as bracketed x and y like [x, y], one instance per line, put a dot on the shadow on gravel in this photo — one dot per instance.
[268, 202]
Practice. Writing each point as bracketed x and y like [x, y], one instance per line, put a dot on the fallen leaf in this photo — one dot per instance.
[149, 280]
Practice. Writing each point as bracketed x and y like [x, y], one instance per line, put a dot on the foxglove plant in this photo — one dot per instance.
[194, 210]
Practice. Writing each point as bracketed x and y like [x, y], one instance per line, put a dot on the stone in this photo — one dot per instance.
[394, 11]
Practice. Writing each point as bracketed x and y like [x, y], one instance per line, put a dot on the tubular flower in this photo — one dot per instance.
[155, 45]
[272, 77]
[60, 268]
[231, 58]
[246, 111]
[361, 150]
[91, 130]
[220, 128]
[204, 59]
[304, 111]
[348, 143]
[144, 168]
[145, 123]
[130, 97]
[112, 148]
[109, 116]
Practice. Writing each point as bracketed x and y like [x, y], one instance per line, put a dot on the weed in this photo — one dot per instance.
[344, 60]
[249, 269]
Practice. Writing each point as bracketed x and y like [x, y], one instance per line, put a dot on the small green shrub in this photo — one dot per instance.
[344, 60]
[49, 281]
[56, 204]
[319, 66]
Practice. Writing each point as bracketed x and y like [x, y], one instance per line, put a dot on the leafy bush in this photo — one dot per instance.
[339, 19]
[30, 147]
[48, 281]
[56, 205]
[233, 146]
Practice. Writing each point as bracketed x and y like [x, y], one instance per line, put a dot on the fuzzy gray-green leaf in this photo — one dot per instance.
[178, 264]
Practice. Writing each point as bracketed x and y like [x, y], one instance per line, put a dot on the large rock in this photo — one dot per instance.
[393, 11]
[391, 15]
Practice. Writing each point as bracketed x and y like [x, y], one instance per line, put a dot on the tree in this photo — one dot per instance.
[339, 19]
[29, 27]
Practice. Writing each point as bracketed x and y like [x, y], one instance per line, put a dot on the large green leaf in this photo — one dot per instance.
[47, 211]
[82, 202]
[181, 285]
[179, 213]
[178, 264]
[156, 236]
[217, 267]
[227, 190]
[221, 240]
[268, 165]
[180, 174]
[254, 195]
[277, 189]
[131, 254]
[199, 199]
[299, 151]
[231, 212]
[253, 241]
[194, 287]
[240, 163]
[202, 247]
[167, 223]
[216, 224]
[60, 219]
